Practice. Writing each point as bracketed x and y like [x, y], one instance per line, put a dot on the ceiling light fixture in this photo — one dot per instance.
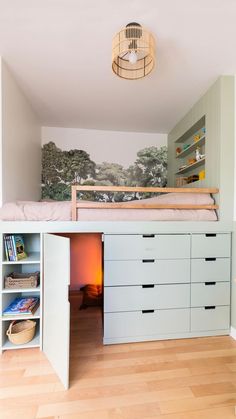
[133, 52]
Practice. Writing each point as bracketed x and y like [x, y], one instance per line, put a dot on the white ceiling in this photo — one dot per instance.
[60, 53]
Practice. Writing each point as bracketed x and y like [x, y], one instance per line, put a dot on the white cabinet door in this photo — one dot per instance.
[56, 327]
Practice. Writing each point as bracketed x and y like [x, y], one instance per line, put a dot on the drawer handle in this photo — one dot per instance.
[148, 260]
[210, 259]
[148, 236]
[210, 283]
[210, 235]
[210, 307]
[147, 311]
[148, 286]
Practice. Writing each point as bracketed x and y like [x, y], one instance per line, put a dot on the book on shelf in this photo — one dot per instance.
[9, 249]
[14, 247]
[22, 306]
[6, 249]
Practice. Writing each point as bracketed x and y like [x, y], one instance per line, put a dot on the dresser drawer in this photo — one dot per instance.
[211, 245]
[137, 246]
[146, 271]
[210, 319]
[210, 294]
[135, 323]
[146, 297]
[210, 269]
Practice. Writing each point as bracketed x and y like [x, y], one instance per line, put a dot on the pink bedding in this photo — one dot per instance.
[61, 210]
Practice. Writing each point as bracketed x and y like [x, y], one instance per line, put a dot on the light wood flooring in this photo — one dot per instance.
[175, 379]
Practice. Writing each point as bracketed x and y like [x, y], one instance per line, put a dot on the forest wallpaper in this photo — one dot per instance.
[61, 169]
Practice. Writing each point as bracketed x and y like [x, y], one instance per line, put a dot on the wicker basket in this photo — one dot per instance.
[21, 332]
[22, 280]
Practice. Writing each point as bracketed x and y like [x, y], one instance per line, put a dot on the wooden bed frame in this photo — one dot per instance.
[139, 205]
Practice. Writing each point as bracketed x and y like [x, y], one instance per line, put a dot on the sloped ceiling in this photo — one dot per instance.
[60, 53]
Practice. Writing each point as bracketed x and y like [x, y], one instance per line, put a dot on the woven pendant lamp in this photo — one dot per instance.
[133, 52]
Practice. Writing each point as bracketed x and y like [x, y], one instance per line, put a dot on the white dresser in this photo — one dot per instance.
[163, 286]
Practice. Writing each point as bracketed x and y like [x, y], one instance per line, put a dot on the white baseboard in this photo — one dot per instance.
[233, 332]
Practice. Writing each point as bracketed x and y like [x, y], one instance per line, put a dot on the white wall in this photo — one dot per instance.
[111, 146]
[1, 200]
[233, 289]
[21, 143]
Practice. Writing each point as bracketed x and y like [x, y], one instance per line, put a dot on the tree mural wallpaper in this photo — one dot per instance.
[61, 169]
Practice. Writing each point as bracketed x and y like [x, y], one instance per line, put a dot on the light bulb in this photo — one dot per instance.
[133, 57]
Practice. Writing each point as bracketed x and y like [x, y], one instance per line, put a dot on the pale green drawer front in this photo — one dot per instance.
[146, 297]
[210, 319]
[137, 246]
[210, 269]
[210, 294]
[211, 245]
[146, 271]
[135, 323]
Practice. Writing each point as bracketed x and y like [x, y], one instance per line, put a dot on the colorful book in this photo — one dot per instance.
[6, 249]
[10, 249]
[14, 247]
[22, 306]
[18, 247]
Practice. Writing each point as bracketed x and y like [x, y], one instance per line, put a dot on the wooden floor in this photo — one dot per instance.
[175, 379]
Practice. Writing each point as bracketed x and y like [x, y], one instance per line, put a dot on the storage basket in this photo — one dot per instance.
[21, 332]
[22, 280]
[180, 181]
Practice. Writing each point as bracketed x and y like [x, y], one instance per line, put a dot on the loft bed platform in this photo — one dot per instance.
[174, 205]
[120, 227]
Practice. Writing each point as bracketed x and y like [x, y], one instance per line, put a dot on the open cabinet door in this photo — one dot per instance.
[56, 323]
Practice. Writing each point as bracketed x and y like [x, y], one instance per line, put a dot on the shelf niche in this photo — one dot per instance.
[182, 158]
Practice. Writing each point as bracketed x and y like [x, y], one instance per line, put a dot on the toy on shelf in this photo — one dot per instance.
[191, 161]
[204, 130]
[192, 178]
[178, 150]
[196, 137]
[198, 155]
[202, 174]
[186, 146]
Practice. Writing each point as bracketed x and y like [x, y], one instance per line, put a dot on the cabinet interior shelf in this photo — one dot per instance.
[33, 257]
[17, 290]
[36, 315]
[192, 147]
[191, 166]
[34, 343]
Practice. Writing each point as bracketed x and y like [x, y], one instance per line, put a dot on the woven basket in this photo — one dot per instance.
[22, 280]
[21, 332]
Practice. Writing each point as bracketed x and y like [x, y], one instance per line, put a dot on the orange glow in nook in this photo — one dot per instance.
[86, 259]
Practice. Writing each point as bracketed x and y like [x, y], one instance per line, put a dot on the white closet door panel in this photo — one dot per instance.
[146, 271]
[56, 328]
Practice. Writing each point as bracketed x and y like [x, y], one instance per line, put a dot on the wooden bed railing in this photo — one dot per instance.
[138, 205]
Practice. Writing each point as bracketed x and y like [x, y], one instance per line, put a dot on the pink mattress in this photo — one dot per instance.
[61, 210]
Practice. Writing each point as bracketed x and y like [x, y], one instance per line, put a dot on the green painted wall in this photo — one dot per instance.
[218, 107]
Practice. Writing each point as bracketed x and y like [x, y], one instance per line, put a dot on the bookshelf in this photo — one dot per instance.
[30, 264]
